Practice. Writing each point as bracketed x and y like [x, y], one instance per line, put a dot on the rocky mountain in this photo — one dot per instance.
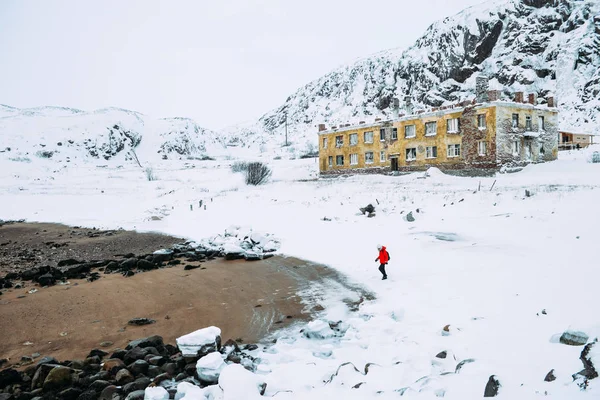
[66, 134]
[541, 46]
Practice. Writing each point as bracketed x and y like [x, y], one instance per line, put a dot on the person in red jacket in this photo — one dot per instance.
[383, 259]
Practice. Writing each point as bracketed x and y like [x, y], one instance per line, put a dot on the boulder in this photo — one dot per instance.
[151, 341]
[156, 360]
[139, 367]
[30, 274]
[137, 353]
[209, 367]
[146, 265]
[128, 264]
[492, 387]
[47, 360]
[574, 338]
[98, 353]
[318, 329]
[442, 354]
[46, 280]
[139, 384]
[119, 353]
[153, 371]
[123, 377]
[68, 262]
[70, 394]
[113, 365]
[107, 393]
[201, 341]
[8, 377]
[99, 385]
[137, 395]
[58, 378]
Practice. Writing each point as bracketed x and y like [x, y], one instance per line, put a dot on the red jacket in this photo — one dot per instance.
[383, 255]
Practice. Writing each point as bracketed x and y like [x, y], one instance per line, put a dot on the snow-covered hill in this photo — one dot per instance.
[542, 46]
[66, 134]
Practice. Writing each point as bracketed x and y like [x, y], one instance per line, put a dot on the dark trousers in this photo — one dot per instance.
[382, 270]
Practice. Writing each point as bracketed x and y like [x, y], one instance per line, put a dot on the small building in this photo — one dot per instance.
[570, 140]
[484, 134]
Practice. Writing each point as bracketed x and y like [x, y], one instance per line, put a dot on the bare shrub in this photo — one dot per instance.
[239, 166]
[257, 173]
[150, 175]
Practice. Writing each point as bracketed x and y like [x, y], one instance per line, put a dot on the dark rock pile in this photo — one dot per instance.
[123, 374]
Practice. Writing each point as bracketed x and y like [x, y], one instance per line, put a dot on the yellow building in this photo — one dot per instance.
[469, 135]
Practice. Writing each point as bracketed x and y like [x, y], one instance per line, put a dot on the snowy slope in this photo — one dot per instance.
[546, 46]
[66, 134]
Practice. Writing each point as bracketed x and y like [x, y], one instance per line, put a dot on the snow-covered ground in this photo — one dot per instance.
[481, 257]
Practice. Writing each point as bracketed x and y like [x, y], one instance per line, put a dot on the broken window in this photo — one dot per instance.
[541, 123]
[324, 142]
[528, 123]
[353, 139]
[516, 148]
[453, 150]
[353, 159]
[481, 124]
[339, 141]
[482, 148]
[411, 154]
[394, 133]
[382, 156]
[452, 125]
[369, 157]
[382, 134]
[542, 151]
[515, 121]
[369, 137]
[430, 128]
[431, 152]
[410, 131]
[330, 161]
[339, 160]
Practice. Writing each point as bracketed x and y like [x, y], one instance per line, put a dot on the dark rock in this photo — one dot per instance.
[70, 394]
[106, 344]
[589, 370]
[137, 353]
[111, 266]
[146, 265]
[6, 396]
[76, 271]
[170, 368]
[9, 377]
[113, 365]
[230, 345]
[172, 350]
[234, 256]
[58, 378]
[574, 338]
[157, 360]
[462, 364]
[128, 274]
[139, 367]
[123, 377]
[30, 274]
[99, 385]
[76, 364]
[3, 361]
[11, 276]
[160, 258]
[174, 262]
[107, 393]
[153, 371]
[151, 341]
[180, 377]
[98, 353]
[138, 384]
[161, 377]
[442, 354]
[119, 353]
[152, 350]
[88, 395]
[47, 360]
[26, 360]
[250, 347]
[368, 209]
[137, 395]
[93, 360]
[550, 376]
[128, 264]
[410, 217]
[492, 387]
[46, 280]
[141, 321]
[68, 262]
[189, 267]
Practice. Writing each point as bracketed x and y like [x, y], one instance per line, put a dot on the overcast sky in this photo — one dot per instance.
[219, 62]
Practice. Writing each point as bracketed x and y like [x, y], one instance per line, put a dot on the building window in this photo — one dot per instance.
[430, 128]
[515, 121]
[353, 159]
[382, 156]
[330, 161]
[541, 123]
[339, 141]
[431, 151]
[369, 157]
[542, 151]
[339, 160]
[353, 139]
[482, 148]
[481, 121]
[369, 137]
[410, 131]
[382, 134]
[394, 133]
[324, 142]
[452, 125]
[516, 148]
[411, 154]
[528, 123]
[453, 150]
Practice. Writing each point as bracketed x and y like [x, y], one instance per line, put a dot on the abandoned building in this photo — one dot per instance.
[484, 134]
[570, 140]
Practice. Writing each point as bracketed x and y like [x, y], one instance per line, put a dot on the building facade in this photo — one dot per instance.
[570, 140]
[472, 135]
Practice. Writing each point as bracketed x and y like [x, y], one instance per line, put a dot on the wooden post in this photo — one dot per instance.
[492, 185]
[191, 207]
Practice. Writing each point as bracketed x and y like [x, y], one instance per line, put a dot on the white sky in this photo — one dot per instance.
[219, 62]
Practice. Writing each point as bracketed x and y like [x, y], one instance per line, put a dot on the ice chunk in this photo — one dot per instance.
[187, 391]
[270, 246]
[192, 342]
[318, 329]
[239, 383]
[163, 251]
[156, 393]
[209, 367]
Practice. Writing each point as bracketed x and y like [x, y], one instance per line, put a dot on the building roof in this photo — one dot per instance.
[578, 134]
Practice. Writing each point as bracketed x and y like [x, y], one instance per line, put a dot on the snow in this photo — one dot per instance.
[239, 383]
[156, 393]
[192, 342]
[318, 329]
[485, 262]
[209, 367]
